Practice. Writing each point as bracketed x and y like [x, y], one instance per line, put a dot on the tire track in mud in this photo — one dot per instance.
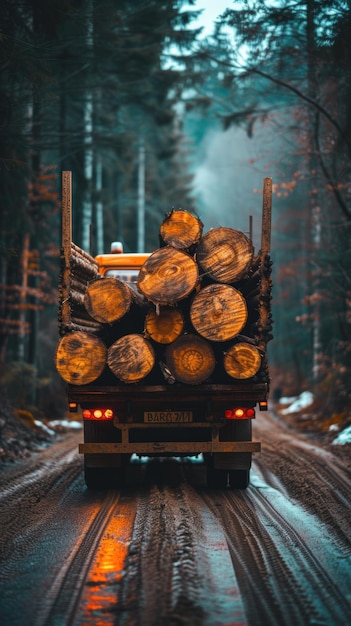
[312, 475]
[30, 496]
[171, 571]
[281, 580]
[62, 599]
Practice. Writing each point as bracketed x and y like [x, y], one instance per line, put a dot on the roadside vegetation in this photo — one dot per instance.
[123, 94]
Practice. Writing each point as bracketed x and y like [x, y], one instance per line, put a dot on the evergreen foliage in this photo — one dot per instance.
[83, 84]
[290, 69]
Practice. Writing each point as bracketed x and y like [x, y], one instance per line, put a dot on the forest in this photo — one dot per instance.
[123, 93]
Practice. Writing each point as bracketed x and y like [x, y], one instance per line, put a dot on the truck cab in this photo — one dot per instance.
[124, 266]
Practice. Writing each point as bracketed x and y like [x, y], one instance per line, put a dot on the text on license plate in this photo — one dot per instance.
[166, 417]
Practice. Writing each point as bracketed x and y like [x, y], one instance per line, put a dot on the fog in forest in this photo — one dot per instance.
[228, 176]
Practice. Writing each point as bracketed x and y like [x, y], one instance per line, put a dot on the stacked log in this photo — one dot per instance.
[108, 300]
[201, 313]
[80, 358]
[164, 325]
[190, 359]
[78, 269]
[131, 358]
[225, 254]
[242, 360]
[218, 312]
[181, 229]
[168, 275]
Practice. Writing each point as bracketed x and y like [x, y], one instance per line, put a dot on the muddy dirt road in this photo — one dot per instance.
[165, 550]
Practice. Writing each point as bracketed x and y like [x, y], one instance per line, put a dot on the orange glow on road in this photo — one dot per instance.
[100, 597]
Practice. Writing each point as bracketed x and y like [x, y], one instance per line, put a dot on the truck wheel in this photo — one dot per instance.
[103, 477]
[216, 478]
[239, 479]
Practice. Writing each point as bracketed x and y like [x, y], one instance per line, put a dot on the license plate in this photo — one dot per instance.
[167, 417]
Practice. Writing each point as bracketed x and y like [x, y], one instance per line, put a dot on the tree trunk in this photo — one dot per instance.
[218, 312]
[165, 325]
[168, 275]
[225, 254]
[190, 359]
[242, 361]
[109, 299]
[80, 358]
[131, 358]
[181, 229]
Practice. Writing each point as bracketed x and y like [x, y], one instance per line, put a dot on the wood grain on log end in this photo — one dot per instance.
[165, 325]
[225, 254]
[107, 299]
[190, 359]
[242, 361]
[181, 229]
[167, 276]
[131, 358]
[80, 358]
[218, 312]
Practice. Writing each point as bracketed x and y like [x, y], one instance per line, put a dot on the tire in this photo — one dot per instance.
[239, 479]
[216, 478]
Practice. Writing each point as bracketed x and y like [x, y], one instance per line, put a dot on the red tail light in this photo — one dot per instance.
[98, 414]
[240, 413]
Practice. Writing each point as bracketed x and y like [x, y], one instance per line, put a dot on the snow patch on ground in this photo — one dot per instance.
[304, 400]
[344, 437]
[69, 424]
[297, 404]
[45, 429]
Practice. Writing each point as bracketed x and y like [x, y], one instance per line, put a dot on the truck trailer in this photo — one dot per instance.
[165, 353]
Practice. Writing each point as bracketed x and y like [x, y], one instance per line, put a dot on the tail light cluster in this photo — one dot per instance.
[240, 413]
[98, 414]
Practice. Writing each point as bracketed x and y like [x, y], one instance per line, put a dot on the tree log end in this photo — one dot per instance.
[164, 326]
[190, 359]
[225, 254]
[80, 358]
[131, 358]
[167, 276]
[242, 360]
[181, 229]
[218, 312]
[107, 299]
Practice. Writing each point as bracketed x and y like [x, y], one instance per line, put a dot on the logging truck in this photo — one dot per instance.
[164, 353]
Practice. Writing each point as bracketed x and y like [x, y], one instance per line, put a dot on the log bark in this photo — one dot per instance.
[190, 359]
[80, 358]
[81, 267]
[164, 325]
[181, 229]
[131, 358]
[242, 360]
[167, 276]
[80, 325]
[109, 299]
[225, 254]
[218, 312]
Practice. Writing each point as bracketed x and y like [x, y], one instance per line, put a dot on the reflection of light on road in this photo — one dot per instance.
[100, 597]
[135, 459]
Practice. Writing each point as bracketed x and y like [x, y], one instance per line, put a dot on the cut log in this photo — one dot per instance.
[109, 299]
[80, 358]
[242, 361]
[190, 359]
[225, 254]
[167, 276]
[181, 229]
[164, 325]
[218, 312]
[131, 358]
